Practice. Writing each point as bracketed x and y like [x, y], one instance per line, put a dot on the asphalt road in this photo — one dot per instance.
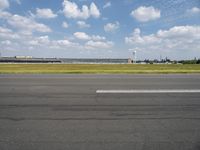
[64, 112]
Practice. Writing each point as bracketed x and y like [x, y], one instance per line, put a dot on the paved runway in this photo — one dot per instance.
[65, 112]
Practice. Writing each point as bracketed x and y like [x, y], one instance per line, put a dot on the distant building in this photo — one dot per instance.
[23, 57]
[130, 61]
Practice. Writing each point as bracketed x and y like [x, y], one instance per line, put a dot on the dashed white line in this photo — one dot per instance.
[148, 91]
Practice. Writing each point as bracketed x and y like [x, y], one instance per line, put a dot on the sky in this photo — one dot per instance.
[100, 28]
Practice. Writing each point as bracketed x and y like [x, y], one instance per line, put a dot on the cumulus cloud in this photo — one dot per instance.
[176, 38]
[7, 34]
[17, 41]
[81, 36]
[21, 36]
[194, 10]
[93, 41]
[98, 44]
[45, 13]
[98, 38]
[45, 42]
[65, 43]
[111, 27]
[35, 42]
[94, 11]
[83, 24]
[27, 24]
[22, 23]
[42, 40]
[145, 14]
[108, 4]
[4, 4]
[84, 36]
[6, 42]
[71, 10]
[65, 25]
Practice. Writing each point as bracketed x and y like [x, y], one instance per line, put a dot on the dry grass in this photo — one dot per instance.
[97, 68]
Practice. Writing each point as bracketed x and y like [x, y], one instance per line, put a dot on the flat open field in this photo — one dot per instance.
[98, 68]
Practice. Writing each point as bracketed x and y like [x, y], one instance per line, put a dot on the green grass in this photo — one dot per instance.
[97, 68]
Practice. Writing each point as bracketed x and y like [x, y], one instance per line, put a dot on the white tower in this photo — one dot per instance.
[134, 56]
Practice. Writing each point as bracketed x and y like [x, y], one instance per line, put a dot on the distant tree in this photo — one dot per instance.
[150, 62]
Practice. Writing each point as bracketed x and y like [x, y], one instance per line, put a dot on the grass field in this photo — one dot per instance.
[97, 68]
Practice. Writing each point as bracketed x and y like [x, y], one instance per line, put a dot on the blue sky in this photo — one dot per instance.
[100, 28]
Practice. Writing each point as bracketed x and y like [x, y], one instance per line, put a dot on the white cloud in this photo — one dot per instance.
[84, 36]
[21, 38]
[194, 10]
[111, 27]
[4, 4]
[6, 42]
[94, 11]
[98, 44]
[63, 44]
[25, 24]
[71, 10]
[17, 41]
[65, 25]
[94, 41]
[98, 38]
[184, 38]
[145, 14]
[7, 34]
[4, 14]
[5, 30]
[108, 4]
[44, 41]
[45, 13]
[83, 24]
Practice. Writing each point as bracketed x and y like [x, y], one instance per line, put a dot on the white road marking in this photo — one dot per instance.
[149, 91]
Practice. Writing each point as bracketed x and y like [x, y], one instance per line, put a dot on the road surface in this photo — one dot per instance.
[67, 112]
